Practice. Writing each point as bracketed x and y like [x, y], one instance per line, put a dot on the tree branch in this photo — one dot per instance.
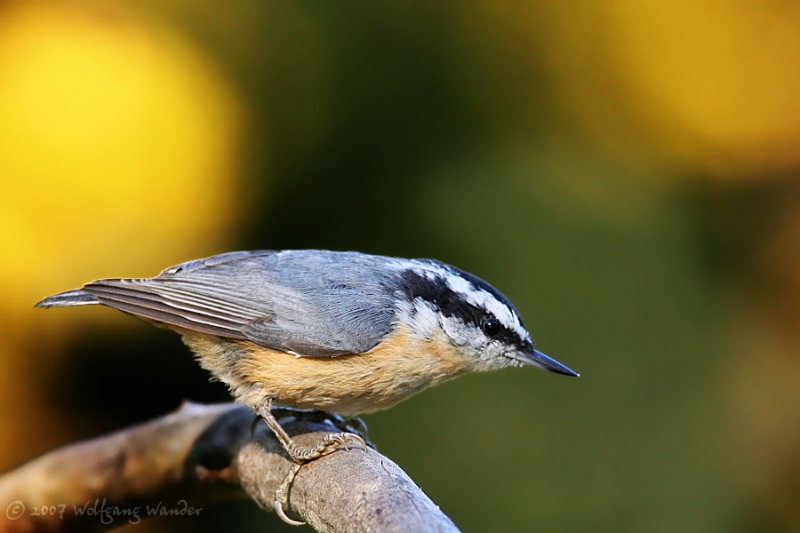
[174, 465]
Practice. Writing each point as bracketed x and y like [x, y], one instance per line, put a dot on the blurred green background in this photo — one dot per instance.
[626, 172]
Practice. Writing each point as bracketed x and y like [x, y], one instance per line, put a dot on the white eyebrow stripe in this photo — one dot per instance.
[477, 297]
[486, 300]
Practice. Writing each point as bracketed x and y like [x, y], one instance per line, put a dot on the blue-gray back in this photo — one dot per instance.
[307, 302]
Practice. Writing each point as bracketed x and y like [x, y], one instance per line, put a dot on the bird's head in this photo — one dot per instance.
[475, 318]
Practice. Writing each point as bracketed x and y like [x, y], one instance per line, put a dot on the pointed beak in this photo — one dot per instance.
[537, 358]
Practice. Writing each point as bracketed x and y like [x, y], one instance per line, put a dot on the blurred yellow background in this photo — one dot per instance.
[626, 172]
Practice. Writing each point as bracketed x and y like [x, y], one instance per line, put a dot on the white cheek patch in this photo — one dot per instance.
[461, 334]
[426, 317]
[421, 317]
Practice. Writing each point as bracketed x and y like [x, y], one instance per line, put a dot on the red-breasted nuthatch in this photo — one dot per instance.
[334, 331]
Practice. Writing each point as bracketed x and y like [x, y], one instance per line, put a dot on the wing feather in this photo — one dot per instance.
[296, 301]
[144, 296]
[148, 308]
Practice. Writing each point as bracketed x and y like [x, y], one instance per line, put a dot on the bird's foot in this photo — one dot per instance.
[301, 455]
[326, 446]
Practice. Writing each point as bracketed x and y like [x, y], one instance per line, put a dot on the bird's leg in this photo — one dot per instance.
[299, 454]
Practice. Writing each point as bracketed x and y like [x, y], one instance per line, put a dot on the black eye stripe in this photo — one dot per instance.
[452, 304]
[476, 282]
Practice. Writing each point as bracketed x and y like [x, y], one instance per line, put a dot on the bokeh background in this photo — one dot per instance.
[625, 171]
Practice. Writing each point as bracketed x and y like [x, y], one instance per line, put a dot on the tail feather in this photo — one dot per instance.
[65, 299]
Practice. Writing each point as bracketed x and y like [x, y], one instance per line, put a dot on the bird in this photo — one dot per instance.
[343, 332]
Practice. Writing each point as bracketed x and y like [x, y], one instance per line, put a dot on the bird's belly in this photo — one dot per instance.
[400, 366]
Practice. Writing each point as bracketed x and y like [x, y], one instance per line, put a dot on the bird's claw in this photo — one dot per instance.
[282, 495]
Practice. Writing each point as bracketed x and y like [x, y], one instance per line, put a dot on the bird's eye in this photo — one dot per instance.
[491, 326]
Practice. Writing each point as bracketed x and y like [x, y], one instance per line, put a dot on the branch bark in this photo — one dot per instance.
[200, 454]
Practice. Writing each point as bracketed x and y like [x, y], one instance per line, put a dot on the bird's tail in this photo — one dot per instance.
[65, 299]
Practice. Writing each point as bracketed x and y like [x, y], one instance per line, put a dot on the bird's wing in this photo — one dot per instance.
[309, 303]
